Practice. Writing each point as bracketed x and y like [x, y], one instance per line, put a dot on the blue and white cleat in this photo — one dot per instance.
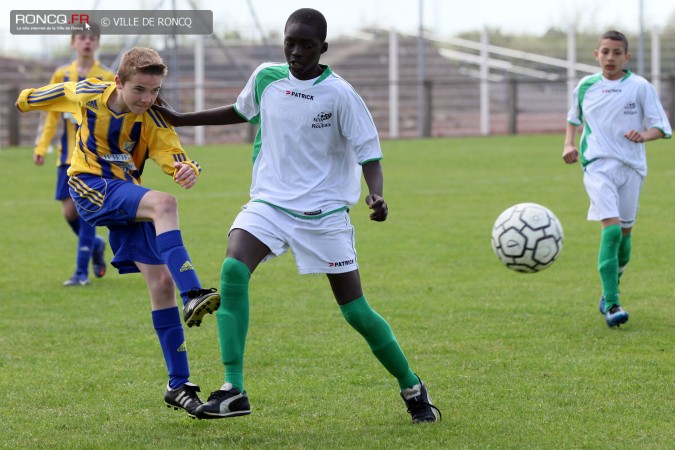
[615, 316]
[76, 280]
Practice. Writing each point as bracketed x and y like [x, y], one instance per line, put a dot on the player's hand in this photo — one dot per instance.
[634, 136]
[184, 174]
[38, 159]
[570, 154]
[379, 207]
[170, 115]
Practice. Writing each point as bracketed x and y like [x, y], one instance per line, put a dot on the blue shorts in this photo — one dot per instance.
[113, 203]
[61, 192]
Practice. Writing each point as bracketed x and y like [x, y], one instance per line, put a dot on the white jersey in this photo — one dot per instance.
[609, 109]
[313, 137]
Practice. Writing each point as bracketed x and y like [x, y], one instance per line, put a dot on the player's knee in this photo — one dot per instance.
[611, 235]
[234, 272]
[164, 284]
[166, 205]
[162, 290]
[361, 320]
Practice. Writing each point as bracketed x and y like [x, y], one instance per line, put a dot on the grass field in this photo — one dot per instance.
[512, 360]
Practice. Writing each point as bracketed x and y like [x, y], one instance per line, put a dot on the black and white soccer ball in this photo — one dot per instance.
[527, 237]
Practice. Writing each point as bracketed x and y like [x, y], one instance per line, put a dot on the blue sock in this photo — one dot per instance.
[172, 339]
[176, 258]
[85, 247]
[75, 225]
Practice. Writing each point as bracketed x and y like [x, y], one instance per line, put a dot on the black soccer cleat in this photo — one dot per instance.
[228, 401]
[419, 404]
[184, 397]
[200, 303]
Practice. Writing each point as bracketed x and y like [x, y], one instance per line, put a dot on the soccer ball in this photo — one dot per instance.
[527, 237]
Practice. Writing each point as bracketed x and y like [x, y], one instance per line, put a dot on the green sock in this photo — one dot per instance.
[232, 318]
[608, 264]
[381, 340]
[624, 252]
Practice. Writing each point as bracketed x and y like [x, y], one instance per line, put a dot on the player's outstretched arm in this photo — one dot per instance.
[224, 115]
[372, 173]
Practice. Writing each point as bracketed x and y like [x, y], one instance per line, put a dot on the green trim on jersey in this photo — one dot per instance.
[583, 146]
[265, 77]
[325, 74]
[302, 216]
[585, 86]
[369, 160]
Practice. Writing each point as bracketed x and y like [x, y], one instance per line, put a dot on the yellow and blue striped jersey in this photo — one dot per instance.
[108, 144]
[66, 144]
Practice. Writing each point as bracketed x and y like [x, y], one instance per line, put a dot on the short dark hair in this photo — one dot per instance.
[616, 36]
[93, 29]
[311, 17]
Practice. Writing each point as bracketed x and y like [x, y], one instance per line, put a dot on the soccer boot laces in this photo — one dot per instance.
[200, 302]
[228, 401]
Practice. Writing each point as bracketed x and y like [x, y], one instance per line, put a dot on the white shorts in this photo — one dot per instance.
[614, 191]
[320, 245]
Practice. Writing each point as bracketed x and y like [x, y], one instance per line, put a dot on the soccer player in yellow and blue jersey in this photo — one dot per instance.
[118, 132]
[85, 43]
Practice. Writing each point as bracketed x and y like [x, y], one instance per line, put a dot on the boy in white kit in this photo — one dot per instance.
[316, 138]
[619, 111]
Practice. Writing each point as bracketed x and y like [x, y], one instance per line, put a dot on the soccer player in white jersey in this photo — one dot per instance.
[619, 111]
[316, 137]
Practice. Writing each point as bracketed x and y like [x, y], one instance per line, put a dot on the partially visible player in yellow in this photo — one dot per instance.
[89, 246]
[118, 133]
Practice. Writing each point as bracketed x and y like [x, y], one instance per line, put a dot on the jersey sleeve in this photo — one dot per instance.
[654, 114]
[59, 97]
[358, 127]
[248, 103]
[49, 123]
[164, 146]
[574, 113]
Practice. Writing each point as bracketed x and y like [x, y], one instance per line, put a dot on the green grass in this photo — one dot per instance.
[513, 360]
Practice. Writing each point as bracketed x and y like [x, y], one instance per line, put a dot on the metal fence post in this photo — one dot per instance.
[12, 119]
[513, 106]
[426, 119]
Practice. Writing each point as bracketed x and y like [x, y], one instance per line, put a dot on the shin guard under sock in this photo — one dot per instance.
[380, 339]
[233, 317]
[176, 258]
[172, 340]
[624, 252]
[608, 264]
[85, 247]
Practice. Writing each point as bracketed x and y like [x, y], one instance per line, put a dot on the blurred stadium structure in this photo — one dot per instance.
[469, 88]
